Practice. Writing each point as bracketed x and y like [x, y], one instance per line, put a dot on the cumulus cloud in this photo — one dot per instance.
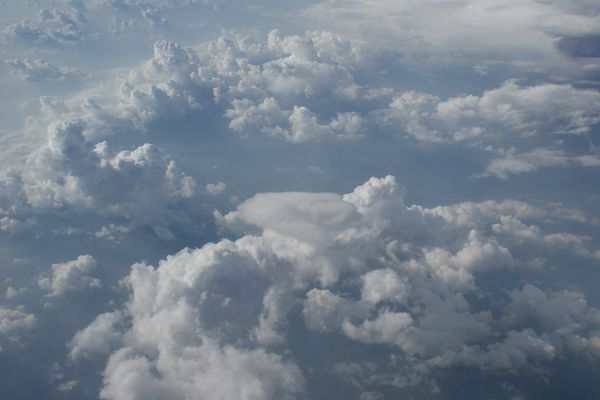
[51, 26]
[15, 321]
[272, 87]
[112, 232]
[40, 70]
[69, 276]
[310, 290]
[356, 265]
[510, 109]
[96, 338]
[297, 125]
[70, 171]
[215, 188]
[312, 88]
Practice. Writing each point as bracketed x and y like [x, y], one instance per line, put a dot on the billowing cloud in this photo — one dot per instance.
[70, 171]
[357, 265]
[510, 109]
[185, 108]
[270, 87]
[96, 338]
[70, 275]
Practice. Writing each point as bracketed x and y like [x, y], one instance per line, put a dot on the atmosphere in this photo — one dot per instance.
[299, 200]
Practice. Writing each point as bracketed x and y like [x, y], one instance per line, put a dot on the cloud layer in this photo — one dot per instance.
[180, 216]
[363, 266]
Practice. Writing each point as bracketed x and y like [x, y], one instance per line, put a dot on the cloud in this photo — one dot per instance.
[15, 321]
[508, 110]
[560, 312]
[51, 26]
[271, 87]
[497, 35]
[40, 70]
[304, 88]
[512, 163]
[112, 232]
[357, 265]
[297, 125]
[300, 294]
[97, 338]
[383, 284]
[69, 276]
[250, 375]
[215, 188]
[70, 171]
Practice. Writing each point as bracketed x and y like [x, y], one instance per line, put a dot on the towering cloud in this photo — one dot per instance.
[362, 266]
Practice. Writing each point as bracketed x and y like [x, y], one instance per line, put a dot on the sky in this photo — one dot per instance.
[319, 199]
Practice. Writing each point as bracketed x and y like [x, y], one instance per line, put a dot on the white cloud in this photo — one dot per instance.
[97, 338]
[69, 171]
[224, 308]
[15, 321]
[40, 70]
[204, 371]
[508, 110]
[492, 34]
[512, 163]
[112, 232]
[389, 294]
[51, 26]
[215, 188]
[273, 87]
[561, 312]
[388, 328]
[383, 284]
[69, 276]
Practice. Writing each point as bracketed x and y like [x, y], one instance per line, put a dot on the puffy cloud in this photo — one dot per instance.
[96, 338]
[383, 284]
[519, 352]
[563, 312]
[202, 372]
[215, 188]
[40, 70]
[508, 109]
[52, 26]
[163, 87]
[271, 87]
[388, 328]
[356, 265]
[69, 171]
[401, 291]
[477, 253]
[112, 232]
[11, 292]
[15, 321]
[193, 354]
[70, 275]
[313, 88]
[297, 125]
[325, 311]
